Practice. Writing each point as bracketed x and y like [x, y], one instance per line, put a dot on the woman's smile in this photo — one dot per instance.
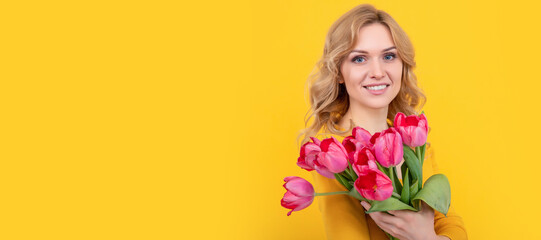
[376, 89]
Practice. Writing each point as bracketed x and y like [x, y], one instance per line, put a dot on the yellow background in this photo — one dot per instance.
[177, 120]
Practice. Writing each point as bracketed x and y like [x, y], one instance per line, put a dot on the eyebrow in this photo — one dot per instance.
[362, 51]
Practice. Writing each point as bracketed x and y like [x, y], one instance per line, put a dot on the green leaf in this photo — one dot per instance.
[405, 196]
[353, 192]
[345, 182]
[352, 172]
[382, 169]
[339, 178]
[403, 168]
[397, 186]
[413, 192]
[413, 163]
[393, 181]
[414, 188]
[389, 204]
[436, 193]
[345, 175]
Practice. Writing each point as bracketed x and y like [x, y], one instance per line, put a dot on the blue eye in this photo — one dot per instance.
[355, 59]
[390, 56]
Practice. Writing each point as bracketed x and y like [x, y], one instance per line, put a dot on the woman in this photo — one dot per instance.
[365, 77]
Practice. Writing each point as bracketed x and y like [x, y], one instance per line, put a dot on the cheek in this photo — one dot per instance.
[353, 75]
[397, 78]
[396, 72]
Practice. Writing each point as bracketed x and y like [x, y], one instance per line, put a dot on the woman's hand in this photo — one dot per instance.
[406, 224]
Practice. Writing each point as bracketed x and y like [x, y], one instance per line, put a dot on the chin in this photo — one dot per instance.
[376, 104]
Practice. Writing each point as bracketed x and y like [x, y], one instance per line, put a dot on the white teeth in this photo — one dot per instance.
[377, 87]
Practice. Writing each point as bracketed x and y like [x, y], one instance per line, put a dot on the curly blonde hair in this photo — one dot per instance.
[329, 100]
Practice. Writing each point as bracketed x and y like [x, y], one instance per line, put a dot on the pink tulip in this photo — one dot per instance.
[364, 159]
[308, 158]
[300, 194]
[414, 129]
[374, 185]
[333, 155]
[308, 155]
[360, 138]
[388, 147]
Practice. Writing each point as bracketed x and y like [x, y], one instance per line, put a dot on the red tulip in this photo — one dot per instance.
[414, 129]
[360, 138]
[388, 147]
[300, 194]
[364, 159]
[349, 144]
[374, 185]
[333, 155]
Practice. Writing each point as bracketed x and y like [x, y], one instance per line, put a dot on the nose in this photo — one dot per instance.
[376, 70]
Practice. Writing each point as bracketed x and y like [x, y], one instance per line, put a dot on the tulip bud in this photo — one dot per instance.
[388, 147]
[413, 129]
[364, 159]
[300, 194]
[333, 155]
[374, 185]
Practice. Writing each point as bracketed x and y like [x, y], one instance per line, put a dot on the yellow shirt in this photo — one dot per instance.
[344, 217]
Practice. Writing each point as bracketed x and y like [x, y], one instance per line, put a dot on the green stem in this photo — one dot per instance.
[391, 176]
[331, 193]
[421, 160]
[396, 195]
[418, 152]
[423, 151]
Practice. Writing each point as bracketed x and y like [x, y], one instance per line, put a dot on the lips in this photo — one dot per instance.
[376, 84]
[376, 89]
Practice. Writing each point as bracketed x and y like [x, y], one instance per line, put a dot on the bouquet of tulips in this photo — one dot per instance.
[366, 165]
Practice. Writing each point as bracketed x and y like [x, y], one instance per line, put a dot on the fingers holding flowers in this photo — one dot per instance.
[405, 224]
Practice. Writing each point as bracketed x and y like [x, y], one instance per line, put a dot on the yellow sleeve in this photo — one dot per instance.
[343, 216]
[451, 226]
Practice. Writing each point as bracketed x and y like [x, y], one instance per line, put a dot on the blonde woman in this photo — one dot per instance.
[364, 78]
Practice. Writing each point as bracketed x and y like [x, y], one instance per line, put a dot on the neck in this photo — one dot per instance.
[373, 120]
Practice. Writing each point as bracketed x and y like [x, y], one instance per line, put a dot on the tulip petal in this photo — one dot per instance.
[399, 119]
[322, 170]
[418, 137]
[374, 185]
[362, 136]
[299, 187]
[302, 163]
[350, 144]
[333, 161]
[316, 141]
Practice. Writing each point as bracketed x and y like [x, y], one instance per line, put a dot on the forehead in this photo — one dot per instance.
[373, 38]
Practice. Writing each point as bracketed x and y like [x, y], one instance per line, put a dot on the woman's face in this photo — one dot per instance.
[372, 71]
